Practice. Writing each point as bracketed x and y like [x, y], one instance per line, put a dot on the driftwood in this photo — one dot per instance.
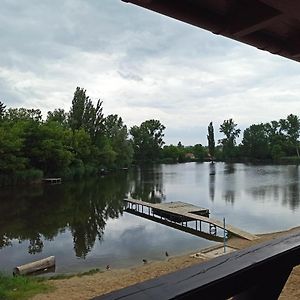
[35, 266]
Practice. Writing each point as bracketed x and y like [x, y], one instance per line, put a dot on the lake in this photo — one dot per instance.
[83, 225]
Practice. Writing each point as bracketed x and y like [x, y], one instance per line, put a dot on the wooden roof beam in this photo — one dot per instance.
[247, 17]
[294, 46]
[193, 13]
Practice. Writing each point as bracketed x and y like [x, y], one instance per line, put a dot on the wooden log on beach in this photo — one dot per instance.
[35, 266]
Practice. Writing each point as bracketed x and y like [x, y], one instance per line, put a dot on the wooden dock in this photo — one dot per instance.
[184, 215]
[52, 180]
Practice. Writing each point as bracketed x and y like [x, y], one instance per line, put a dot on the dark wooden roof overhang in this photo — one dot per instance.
[271, 25]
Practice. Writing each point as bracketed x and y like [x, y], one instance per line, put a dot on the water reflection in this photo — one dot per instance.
[41, 213]
[229, 183]
[85, 219]
[229, 196]
[292, 191]
[229, 168]
[147, 184]
[285, 185]
[212, 181]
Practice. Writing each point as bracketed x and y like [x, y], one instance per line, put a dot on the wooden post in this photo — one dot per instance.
[35, 266]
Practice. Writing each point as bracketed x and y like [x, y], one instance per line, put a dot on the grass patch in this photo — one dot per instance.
[20, 287]
[61, 276]
[90, 272]
[68, 276]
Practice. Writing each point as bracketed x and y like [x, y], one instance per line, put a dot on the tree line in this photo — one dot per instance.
[71, 144]
[273, 141]
[66, 144]
[276, 141]
[83, 141]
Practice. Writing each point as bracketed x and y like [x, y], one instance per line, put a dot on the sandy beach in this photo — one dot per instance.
[90, 286]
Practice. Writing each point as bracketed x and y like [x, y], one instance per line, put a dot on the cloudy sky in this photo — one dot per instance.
[141, 64]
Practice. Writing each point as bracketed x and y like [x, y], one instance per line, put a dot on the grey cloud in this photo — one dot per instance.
[134, 58]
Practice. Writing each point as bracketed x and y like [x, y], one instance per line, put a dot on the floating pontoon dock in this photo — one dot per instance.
[52, 180]
[184, 216]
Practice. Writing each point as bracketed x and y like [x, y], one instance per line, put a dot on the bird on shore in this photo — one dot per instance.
[167, 254]
[145, 261]
[108, 267]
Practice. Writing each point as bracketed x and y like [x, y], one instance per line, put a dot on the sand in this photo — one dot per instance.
[90, 286]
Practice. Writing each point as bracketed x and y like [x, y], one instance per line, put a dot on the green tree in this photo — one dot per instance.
[82, 145]
[23, 114]
[55, 155]
[198, 151]
[277, 140]
[211, 141]
[147, 140]
[11, 143]
[170, 153]
[59, 116]
[291, 127]
[116, 135]
[77, 109]
[255, 142]
[84, 115]
[231, 133]
[277, 152]
[93, 119]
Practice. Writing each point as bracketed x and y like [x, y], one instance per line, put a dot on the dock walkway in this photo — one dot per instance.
[180, 212]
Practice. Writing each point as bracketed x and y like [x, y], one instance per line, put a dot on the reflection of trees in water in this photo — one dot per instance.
[229, 168]
[288, 194]
[229, 196]
[84, 207]
[291, 194]
[147, 184]
[212, 181]
[35, 245]
[229, 182]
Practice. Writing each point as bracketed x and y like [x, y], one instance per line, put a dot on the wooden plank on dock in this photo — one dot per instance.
[177, 207]
[191, 213]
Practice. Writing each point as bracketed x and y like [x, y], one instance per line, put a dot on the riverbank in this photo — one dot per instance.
[87, 287]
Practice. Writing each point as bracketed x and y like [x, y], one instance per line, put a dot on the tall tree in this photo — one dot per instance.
[229, 142]
[291, 127]
[11, 154]
[276, 138]
[93, 119]
[77, 109]
[147, 140]
[58, 115]
[84, 115]
[116, 135]
[211, 141]
[23, 114]
[255, 143]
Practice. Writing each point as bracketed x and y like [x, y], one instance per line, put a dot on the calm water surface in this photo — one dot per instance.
[84, 226]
